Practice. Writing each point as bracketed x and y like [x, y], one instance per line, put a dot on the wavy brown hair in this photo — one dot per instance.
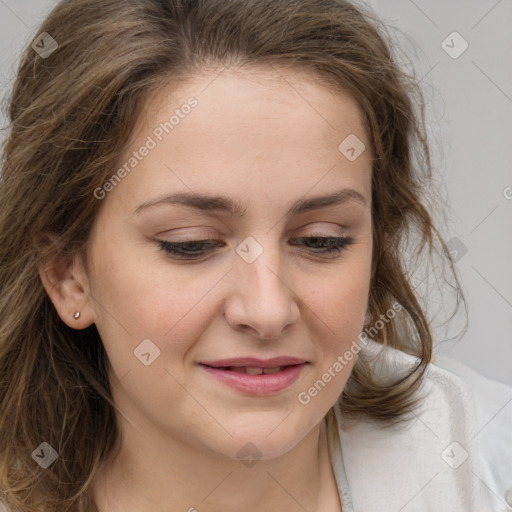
[70, 116]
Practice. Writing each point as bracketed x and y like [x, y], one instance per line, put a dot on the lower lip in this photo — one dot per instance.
[264, 384]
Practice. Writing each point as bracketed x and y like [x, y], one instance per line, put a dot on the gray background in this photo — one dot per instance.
[469, 104]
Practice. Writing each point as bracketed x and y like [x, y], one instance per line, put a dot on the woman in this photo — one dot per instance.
[205, 300]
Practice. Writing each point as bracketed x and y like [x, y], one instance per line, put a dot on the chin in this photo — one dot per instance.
[261, 436]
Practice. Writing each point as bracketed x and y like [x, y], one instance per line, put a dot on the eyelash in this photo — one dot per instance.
[336, 246]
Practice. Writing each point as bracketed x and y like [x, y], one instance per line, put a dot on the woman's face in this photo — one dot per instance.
[260, 287]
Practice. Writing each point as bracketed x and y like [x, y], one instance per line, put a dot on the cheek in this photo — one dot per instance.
[340, 299]
[145, 300]
[338, 306]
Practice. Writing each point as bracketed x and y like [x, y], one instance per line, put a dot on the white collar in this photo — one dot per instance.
[430, 463]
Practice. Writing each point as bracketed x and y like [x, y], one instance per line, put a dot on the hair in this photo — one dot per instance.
[72, 113]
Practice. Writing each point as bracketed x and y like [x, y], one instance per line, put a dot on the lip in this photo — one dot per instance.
[257, 385]
[255, 362]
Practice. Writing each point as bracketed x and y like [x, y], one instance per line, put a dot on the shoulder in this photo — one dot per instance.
[493, 404]
[446, 456]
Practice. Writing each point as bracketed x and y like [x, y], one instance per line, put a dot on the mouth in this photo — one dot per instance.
[256, 380]
[251, 370]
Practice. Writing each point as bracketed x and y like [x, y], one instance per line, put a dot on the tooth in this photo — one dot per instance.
[253, 371]
[237, 369]
[271, 370]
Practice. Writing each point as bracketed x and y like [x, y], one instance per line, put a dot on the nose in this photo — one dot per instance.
[262, 301]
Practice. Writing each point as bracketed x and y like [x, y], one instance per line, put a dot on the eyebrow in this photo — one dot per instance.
[225, 204]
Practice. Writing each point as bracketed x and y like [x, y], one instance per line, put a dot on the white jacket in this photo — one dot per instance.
[455, 455]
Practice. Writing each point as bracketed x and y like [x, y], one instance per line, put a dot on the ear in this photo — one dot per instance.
[66, 283]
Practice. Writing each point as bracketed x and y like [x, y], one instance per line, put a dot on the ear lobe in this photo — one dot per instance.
[62, 281]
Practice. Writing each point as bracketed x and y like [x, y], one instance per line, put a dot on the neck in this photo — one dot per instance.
[169, 475]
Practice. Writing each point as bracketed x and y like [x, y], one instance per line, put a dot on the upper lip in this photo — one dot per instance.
[254, 362]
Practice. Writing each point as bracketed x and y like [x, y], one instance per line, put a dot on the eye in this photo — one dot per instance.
[328, 245]
[195, 249]
[189, 249]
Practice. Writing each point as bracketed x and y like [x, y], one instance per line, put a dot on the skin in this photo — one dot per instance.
[265, 138]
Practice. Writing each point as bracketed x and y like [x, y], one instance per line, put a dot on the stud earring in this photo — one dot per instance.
[76, 316]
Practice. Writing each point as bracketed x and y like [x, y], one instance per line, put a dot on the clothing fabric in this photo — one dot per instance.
[454, 454]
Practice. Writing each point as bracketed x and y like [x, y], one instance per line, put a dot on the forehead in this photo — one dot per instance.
[258, 129]
[258, 97]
